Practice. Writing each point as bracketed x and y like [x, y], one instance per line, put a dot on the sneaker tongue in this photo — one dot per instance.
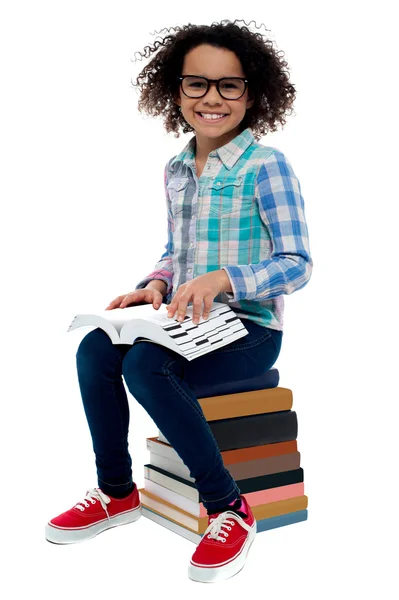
[238, 504]
[234, 507]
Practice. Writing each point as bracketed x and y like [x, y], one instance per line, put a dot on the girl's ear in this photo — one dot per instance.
[250, 103]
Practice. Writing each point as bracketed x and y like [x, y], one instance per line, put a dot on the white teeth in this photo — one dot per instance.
[211, 116]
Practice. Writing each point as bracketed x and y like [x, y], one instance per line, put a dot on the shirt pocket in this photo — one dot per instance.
[226, 196]
[177, 190]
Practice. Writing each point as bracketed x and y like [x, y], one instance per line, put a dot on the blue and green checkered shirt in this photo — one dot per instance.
[244, 214]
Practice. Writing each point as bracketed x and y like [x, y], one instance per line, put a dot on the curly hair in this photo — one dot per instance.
[263, 66]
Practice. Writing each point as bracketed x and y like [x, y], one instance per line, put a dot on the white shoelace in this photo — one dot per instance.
[92, 496]
[225, 519]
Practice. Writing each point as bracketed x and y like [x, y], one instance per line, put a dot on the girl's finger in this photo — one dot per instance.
[124, 301]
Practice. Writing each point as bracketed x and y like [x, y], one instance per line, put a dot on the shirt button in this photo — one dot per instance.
[193, 217]
[191, 244]
[188, 270]
[218, 183]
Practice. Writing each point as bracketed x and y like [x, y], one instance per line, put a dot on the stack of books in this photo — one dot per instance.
[256, 431]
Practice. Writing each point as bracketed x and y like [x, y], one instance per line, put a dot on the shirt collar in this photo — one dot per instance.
[228, 154]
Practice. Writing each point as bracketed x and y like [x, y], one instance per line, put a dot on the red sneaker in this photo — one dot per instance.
[224, 546]
[94, 514]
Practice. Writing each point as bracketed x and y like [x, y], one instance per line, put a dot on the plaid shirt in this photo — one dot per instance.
[245, 214]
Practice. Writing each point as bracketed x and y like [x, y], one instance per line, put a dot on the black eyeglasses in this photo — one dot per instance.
[230, 88]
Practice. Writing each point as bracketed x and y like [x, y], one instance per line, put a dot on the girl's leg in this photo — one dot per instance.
[160, 381]
[99, 368]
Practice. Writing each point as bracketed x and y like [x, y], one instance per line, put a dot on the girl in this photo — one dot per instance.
[236, 234]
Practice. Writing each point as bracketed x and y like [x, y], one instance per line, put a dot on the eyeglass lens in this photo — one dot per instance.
[195, 87]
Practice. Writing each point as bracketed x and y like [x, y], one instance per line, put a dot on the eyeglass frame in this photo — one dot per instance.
[209, 82]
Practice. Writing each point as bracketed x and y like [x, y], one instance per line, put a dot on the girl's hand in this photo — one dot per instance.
[202, 289]
[143, 296]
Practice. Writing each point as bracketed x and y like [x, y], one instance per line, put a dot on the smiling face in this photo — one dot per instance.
[213, 63]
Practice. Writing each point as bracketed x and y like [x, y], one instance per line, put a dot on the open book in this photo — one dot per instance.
[124, 325]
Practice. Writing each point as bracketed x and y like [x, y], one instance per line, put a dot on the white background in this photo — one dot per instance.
[84, 219]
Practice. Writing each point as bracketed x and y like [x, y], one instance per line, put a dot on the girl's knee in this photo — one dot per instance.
[143, 364]
[136, 365]
[94, 345]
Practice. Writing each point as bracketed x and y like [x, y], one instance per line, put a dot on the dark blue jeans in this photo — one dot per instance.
[160, 379]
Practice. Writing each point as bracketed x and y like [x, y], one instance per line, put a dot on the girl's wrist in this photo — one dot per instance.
[157, 284]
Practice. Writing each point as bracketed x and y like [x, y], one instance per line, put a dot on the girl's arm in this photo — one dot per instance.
[281, 208]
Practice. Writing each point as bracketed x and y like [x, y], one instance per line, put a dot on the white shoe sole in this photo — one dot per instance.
[211, 575]
[59, 535]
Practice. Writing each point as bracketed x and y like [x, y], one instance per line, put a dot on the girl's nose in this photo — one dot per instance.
[213, 94]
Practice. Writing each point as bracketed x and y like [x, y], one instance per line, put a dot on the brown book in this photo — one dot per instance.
[246, 403]
[247, 470]
[265, 466]
[255, 452]
[199, 524]
[230, 456]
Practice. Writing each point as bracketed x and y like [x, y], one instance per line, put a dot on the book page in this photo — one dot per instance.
[222, 327]
[119, 316]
